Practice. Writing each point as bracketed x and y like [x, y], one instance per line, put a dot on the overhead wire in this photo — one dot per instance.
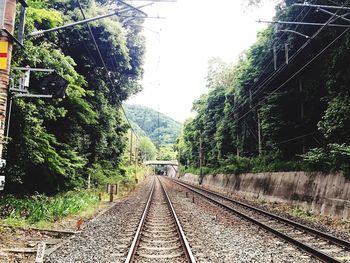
[270, 78]
[266, 67]
[254, 92]
[295, 74]
[302, 68]
[106, 69]
[284, 141]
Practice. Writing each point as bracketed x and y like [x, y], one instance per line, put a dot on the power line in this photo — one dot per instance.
[268, 80]
[274, 74]
[300, 70]
[284, 141]
[280, 39]
[267, 66]
[105, 67]
[297, 72]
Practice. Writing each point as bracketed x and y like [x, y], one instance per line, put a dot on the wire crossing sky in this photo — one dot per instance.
[179, 47]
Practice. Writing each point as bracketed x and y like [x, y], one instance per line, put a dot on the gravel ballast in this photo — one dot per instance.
[219, 236]
[106, 238]
[213, 234]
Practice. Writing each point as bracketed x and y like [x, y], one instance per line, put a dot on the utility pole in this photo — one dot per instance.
[200, 159]
[8, 15]
[130, 150]
[158, 132]
[136, 159]
[286, 51]
[302, 113]
[237, 147]
[259, 134]
[274, 57]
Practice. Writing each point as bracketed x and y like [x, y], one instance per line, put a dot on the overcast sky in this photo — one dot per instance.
[193, 32]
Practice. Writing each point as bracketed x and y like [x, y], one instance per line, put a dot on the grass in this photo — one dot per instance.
[303, 213]
[42, 211]
[40, 208]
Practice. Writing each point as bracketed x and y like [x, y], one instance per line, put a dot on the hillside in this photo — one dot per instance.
[147, 119]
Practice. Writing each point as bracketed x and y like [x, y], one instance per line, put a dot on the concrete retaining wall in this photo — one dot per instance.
[324, 194]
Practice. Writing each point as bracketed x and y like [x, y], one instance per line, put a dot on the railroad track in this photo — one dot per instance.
[323, 246]
[159, 236]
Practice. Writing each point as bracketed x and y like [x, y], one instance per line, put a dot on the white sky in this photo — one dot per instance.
[193, 32]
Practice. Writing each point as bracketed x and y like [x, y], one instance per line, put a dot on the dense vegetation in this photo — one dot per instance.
[146, 119]
[57, 144]
[40, 208]
[300, 113]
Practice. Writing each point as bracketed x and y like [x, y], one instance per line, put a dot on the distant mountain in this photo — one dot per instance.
[146, 119]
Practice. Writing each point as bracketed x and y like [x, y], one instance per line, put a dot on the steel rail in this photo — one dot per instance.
[137, 236]
[333, 239]
[182, 235]
[316, 253]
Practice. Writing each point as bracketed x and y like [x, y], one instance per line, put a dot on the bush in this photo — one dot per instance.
[332, 158]
[239, 165]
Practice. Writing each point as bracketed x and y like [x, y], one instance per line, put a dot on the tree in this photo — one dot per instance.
[55, 142]
[148, 149]
[249, 104]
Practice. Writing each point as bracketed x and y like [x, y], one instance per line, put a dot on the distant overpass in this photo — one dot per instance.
[156, 162]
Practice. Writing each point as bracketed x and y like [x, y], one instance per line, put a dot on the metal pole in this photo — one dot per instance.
[132, 7]
[41, 32]
[274, 57]
[324, 6]
[333, 14]
[303, 23]
[21, 26]
[294, 32]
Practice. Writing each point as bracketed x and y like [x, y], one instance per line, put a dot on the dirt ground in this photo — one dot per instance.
[19, 244]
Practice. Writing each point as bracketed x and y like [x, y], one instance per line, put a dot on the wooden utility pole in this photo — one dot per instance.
[6, 45]
[200, 159]
[136, 160]
[130, 151]
[302, 113]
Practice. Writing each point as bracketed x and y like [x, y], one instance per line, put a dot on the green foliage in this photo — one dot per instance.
[334, 157]
[303, 213]
[167, 153]
[240, 165]
[306, 116]
[147, 120]
[38, 208]
[148, 149]
[56, 144]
